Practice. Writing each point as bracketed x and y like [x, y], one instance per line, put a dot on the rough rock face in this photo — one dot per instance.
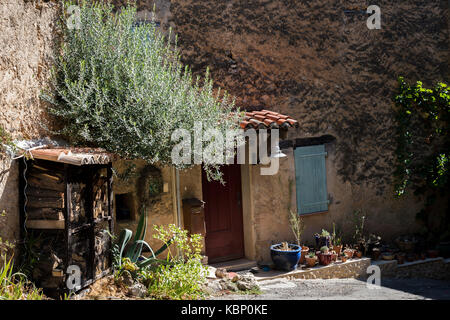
[313, 61]
[26, 39]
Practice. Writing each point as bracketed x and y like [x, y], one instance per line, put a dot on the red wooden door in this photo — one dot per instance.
[223, 215]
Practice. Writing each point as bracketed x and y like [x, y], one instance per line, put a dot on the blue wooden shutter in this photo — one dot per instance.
[311, 179]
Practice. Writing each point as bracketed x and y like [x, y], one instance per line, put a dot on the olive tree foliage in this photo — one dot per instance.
[120, 85]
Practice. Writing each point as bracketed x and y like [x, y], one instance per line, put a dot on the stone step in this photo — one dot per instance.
[235, 265]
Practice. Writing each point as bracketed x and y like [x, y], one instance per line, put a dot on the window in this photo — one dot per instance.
[124, 207]
[311, 179]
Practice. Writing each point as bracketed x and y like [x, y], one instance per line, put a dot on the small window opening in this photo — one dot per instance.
[124, 207]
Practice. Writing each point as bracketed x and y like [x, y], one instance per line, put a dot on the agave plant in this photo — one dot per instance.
[133, 252]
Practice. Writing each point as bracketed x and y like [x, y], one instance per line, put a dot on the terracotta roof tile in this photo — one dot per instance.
[266, 119]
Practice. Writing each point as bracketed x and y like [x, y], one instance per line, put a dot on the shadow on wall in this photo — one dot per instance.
[9, 199]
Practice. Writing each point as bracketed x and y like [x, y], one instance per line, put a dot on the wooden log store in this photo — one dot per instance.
[66, 218]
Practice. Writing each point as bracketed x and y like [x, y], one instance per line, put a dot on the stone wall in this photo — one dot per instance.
[26, 38]
[432, 268]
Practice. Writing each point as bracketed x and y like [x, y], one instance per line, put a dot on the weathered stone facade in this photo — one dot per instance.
[311, 60]
[26, 39]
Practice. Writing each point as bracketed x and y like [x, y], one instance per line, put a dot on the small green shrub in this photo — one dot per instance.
[120, 85]
[184, 278]
[14, 285]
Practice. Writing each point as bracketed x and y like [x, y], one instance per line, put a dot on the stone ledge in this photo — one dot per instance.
[353, 268]
[418, 262]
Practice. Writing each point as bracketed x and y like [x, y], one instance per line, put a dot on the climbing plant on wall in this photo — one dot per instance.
[423, 148]
[120, 85]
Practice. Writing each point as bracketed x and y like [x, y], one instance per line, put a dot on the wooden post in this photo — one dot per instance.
[67, 224]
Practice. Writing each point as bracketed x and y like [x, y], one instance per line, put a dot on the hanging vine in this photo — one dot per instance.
[423, 148]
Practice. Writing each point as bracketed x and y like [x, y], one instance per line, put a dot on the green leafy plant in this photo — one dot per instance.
[336, 238]
[120, 84]
[311, 254]
[14, 285]
[185, 277]
[359, 220]
[128, 256]
[6, 140]
[324, 249]
[423, 148]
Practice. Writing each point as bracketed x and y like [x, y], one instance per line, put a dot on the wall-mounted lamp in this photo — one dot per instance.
[277, 153]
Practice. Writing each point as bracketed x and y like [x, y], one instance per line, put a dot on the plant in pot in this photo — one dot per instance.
[406, 243]
[349, 252]
[298, 226]
[400, 257]
[376, 252]
[311, 259]
[336, 240]
[343, 257]
[325, 256]
[322, 239]
[285, 255]
[371, 244]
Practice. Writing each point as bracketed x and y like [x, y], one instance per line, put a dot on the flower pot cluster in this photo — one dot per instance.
[328, 250]
[406, 249]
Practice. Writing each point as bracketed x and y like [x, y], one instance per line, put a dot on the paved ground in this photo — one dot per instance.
[348, 289]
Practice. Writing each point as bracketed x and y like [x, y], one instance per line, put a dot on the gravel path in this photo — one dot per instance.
[348, 289]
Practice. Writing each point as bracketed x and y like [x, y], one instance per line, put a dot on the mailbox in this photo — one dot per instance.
[194, 216]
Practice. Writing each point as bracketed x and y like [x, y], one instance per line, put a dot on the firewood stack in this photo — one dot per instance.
[100, 206]
[45, 193]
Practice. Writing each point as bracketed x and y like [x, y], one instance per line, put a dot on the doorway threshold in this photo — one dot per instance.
[235, 265]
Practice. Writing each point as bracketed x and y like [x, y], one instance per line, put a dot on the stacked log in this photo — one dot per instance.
[100, 205]
[78, 213]
[44, 193]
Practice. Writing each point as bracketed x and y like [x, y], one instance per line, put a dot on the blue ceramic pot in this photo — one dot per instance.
[285, 260]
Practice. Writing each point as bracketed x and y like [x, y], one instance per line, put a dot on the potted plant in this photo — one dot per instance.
[406, 243]
[297, 226]
[311, 259]
[349, 253]
[343, 257]
[334, 255]
[376, 253]
[358, 254]
[336, 241]
[433, 253]
[325, 257]
[285, 255]
[400, 258]
[322, 239]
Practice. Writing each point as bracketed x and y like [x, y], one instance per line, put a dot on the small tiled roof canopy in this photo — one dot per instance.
[266, 119]
[73, 156]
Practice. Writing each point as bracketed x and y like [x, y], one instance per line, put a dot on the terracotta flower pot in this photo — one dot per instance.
[387, 256]
[311, 262]
[305, 251]
[325, 258]
[358, 254]
[334, 256]
[349, 253]
[432, 253]
[400, 258]
[376, 254]
[343, 258]
[411, 257]
[337, 249]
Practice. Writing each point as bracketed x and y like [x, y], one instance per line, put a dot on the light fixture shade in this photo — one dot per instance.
[277, 153]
